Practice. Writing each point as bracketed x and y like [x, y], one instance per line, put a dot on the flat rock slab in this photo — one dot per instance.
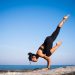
[69, 70]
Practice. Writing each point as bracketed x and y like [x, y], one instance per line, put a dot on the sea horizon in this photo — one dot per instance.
[28, 67]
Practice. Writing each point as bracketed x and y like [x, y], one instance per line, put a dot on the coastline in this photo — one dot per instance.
[68, 70]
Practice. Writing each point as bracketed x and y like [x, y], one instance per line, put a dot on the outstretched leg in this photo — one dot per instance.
[48, 43]
[56, 32]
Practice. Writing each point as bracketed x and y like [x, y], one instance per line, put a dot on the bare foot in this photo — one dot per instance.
[63, 20]
[59, 43]
[66, 17]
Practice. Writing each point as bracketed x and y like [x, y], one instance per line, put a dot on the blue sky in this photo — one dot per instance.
[24, 24]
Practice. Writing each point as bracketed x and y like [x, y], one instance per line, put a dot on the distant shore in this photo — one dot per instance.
[68, 70]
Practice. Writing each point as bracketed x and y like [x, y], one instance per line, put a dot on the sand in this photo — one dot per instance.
[69, 70]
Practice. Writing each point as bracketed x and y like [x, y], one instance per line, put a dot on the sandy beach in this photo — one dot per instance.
[69, 70]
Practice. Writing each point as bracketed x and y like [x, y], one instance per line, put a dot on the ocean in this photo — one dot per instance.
[28, 67]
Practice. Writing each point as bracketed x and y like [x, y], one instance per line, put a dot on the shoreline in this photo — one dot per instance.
[68, 70]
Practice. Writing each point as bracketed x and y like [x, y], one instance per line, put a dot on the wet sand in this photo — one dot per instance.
[68, 70]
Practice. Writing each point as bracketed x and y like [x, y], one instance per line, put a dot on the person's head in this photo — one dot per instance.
[32, 57]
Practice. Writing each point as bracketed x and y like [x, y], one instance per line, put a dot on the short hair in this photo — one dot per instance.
[30, 56]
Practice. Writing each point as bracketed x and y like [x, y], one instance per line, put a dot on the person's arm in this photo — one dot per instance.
[55, 47]
[39, 52]
[47, 59]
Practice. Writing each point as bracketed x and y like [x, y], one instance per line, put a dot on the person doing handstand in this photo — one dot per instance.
[46, 49]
